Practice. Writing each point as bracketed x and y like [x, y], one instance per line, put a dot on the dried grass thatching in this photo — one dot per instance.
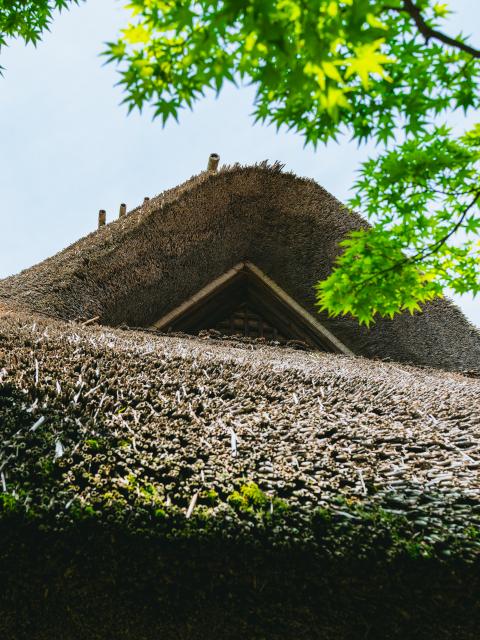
[153, 485]
[197, 488]
[143, 265]
[308, 426]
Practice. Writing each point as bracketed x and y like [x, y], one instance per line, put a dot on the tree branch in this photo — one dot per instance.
[427, 251]
[429, 33]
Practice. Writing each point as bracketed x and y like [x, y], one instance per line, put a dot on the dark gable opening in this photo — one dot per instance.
[245, 301]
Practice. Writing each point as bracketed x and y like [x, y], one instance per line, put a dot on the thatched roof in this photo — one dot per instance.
[264, 490]
[201, 488]
[187, 414]
[182, 487]
[142, 266]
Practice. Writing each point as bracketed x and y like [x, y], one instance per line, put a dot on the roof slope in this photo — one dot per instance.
[156, 486]
[143, 265]
[93, 415]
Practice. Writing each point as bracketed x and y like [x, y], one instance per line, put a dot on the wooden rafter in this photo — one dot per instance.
[214, 300]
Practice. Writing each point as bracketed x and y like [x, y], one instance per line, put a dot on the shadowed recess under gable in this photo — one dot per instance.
[245, 301]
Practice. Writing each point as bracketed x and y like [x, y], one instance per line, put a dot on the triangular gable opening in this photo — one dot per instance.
[245, 301]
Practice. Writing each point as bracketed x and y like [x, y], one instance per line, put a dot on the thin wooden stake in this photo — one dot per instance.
[213, 161]
[233, 442]
[102, 218]
[192, 504]
[37, 424]
[362, 482]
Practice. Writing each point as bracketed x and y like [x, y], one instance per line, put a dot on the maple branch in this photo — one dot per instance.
[429, 32]
[426, 251]
[431, 249]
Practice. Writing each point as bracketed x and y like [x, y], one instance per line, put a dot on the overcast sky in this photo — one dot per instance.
[68, 149]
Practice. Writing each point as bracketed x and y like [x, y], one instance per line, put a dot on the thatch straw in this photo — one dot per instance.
[305, 426]
[124, 455]
[139, 267]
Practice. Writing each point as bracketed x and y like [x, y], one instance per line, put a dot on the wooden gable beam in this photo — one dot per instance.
[311, 327]
[196, 301]
[306, 317]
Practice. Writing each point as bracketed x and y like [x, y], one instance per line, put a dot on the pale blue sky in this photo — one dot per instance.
[68, 149]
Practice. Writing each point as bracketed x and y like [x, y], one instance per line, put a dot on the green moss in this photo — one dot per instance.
[322, 516]
[150, 493]
[254, 496]
[210, 497]
[80, 511]
[113, 498]
[46, 466]
[9, 503]
[473, 533]
[92, 444]
[237, 501]
[251, 499]
[416, 549]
